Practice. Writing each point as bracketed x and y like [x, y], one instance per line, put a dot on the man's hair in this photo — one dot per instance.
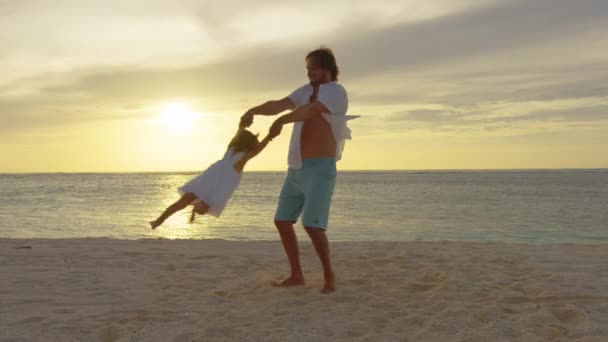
[324, 58]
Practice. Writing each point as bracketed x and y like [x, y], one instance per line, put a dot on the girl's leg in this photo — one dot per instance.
[180, 204]
[199, 207]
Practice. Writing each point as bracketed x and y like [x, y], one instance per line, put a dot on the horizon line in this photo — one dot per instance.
[346, 171]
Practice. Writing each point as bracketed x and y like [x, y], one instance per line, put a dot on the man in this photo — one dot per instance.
[319, 117]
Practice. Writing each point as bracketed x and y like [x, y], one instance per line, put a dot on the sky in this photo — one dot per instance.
[159, 85]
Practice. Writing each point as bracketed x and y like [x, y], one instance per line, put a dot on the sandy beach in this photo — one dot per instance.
[216, 290]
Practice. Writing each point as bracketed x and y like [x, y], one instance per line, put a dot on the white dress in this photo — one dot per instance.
[215, 185]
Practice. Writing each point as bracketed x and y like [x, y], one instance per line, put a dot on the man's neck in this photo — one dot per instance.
[317, 85]
[315, 91]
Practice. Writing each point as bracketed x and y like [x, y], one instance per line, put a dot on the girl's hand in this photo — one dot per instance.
[275, 129]
[246, 120]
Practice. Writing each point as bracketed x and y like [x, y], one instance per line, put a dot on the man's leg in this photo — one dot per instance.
[290, 244]
[321, 243]
[320, 185]
[289, 209]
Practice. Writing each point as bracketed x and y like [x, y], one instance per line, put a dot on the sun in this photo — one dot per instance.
[178, 118]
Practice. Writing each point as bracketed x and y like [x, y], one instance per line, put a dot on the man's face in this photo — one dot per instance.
[316, 74]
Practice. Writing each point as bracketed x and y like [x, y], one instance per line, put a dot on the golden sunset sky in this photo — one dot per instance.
[151, 85]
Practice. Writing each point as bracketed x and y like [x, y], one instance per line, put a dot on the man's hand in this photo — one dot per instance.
[275, 128]
[246, 119]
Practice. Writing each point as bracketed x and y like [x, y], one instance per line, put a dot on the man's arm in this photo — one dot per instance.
[302, 113]
[272, 107]
[268, 108]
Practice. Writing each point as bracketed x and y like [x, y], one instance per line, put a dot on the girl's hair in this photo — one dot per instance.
[244, 141]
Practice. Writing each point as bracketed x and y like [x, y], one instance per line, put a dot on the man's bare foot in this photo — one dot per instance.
[330, 284]
[154, 224]
[291, 281]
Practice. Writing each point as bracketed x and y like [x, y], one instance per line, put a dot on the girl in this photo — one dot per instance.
[210, 191]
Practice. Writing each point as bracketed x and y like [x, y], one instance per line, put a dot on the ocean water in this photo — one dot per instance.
[535, 206]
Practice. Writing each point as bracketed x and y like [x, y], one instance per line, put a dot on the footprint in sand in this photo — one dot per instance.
[569, 314]
[357, 331]
[34, 319]
[425, 283]
[381, 262]
[518, 288]
[132, 254]
[518, 308]
[193, 266]
[36, 301]
[603, 309]
[360, 282]
[432, 277]
[547, 333]
[418, 287]
[281, 313]
[110, 334]
[501, 261]
[225, 294]
[186, 336]
[345, 299]
[64, 311]
[517, 300]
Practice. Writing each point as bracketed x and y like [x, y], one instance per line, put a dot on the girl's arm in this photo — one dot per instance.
[238, 131]
[260, 147]
[241, 163]
[241, 128]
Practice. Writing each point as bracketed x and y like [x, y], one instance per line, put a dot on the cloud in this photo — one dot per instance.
[499, 27]
[589, 115]
[466, 61]
[505, 119]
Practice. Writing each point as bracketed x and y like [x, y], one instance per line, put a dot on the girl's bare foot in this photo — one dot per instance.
[154, 224]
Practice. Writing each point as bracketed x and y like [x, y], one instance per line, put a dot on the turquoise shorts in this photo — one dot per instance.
[307, 192]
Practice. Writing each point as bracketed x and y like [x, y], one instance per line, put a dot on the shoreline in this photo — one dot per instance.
[304, 240]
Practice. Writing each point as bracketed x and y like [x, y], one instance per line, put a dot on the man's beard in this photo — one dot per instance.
[318, 82]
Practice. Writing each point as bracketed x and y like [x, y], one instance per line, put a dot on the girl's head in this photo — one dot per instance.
[244, 141]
